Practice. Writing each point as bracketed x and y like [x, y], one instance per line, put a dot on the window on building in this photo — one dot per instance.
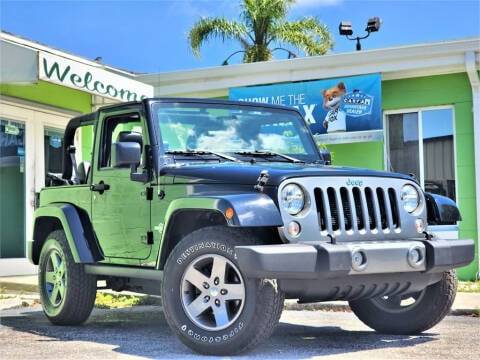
[53, 147]
[422, 143]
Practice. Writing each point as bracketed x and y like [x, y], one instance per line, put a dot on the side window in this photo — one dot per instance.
[127, 127]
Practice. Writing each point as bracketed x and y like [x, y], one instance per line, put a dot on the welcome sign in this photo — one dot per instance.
[336, 108]
[76, 75]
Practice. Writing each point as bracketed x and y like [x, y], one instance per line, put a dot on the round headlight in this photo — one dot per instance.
[410, 198]
[293, 199]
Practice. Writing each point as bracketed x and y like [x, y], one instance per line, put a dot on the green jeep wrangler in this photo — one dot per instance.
[227, 208]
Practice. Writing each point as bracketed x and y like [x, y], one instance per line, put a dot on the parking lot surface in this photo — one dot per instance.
[141, 332]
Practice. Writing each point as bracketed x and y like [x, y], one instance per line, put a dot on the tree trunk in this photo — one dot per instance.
[257, 53]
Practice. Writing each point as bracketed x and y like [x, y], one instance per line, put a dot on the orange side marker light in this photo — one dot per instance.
[229, 213]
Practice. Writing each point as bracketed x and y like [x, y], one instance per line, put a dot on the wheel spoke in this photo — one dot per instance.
[54, 294]
[220, 313]
[197, 306]
[395, 301]
[234, 291]
[61, 290]
[196, 278]
[62, 268]
[218, 269]
[55, 260]
[49, 277]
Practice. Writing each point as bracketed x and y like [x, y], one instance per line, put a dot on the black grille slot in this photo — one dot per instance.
[333, 208]
[370, 208]
[347, 212]
[382, 208]
[322, 214]
[357, 198]
[393, 205]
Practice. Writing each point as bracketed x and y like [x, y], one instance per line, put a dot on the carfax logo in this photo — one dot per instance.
[357, 103]
[354, 182]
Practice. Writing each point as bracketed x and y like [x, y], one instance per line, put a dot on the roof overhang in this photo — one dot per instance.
[393, 63]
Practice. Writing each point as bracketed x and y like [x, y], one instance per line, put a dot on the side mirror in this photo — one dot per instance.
[326, 156]
[126, 154]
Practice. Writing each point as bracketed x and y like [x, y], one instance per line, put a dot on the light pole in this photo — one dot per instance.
[225, 62]
[345, 28]
[291, 54]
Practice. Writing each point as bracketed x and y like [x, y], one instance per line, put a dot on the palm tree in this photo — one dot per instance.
[264, 25]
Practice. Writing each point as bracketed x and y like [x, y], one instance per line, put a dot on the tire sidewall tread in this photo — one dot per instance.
[81, 287]
[433, 307]
[263, 301]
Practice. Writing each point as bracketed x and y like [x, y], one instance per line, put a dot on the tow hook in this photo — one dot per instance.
[332, 239]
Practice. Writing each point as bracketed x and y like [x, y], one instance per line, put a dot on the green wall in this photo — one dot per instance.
[453, 89]
[365, 154]
[50, 94]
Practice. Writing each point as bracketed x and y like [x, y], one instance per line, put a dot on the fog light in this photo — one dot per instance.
[420, 225]
[359, 260]
[415, 257]
[293, 228]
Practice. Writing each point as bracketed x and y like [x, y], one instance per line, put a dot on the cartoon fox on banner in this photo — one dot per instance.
[336, 118]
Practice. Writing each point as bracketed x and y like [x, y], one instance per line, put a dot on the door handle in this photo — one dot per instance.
[100, 187]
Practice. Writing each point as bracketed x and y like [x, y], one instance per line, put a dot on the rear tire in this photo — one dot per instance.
[66, 291]
[250, 315]
[430, 306]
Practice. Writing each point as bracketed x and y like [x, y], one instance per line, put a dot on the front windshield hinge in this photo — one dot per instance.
[262, 180]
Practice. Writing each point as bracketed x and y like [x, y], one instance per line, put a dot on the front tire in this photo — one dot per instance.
[426, 309]
[66, 291]
[209, 303]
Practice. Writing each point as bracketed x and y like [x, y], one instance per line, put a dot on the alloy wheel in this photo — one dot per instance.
[55, 278]
[400, 303]
[212, 292]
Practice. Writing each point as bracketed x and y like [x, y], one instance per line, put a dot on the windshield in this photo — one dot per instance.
[233, 129]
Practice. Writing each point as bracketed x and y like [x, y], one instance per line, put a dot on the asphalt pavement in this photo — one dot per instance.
[141, 332]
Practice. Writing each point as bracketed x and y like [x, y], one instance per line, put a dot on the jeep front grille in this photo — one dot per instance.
[365, 208]
[355, 209]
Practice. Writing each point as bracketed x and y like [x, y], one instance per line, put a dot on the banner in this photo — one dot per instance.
[331, 106]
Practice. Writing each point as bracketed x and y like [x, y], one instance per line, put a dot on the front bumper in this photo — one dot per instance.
[315, 270]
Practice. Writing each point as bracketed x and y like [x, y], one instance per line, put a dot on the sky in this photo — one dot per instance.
[151, 36]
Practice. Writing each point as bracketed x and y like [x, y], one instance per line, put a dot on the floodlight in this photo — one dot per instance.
[345, 28]
[373, 24]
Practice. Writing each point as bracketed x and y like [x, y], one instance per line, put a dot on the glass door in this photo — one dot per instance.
[422, 143]
[12, 189]
[53, 150]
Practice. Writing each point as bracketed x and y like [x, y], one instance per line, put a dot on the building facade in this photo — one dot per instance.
[41, 89]
[429, 122]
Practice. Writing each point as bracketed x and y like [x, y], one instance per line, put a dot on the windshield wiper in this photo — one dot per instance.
[268, 154]
[201, 152]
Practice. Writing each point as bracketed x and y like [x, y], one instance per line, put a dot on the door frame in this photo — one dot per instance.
[36, 118]
[419, 111]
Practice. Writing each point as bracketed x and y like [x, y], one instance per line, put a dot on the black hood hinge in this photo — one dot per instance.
[262, 180]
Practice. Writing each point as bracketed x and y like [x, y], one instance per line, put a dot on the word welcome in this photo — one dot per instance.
[90, 79]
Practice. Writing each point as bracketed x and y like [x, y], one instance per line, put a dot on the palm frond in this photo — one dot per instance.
[208, 28]
[259, 15]
[307, 34]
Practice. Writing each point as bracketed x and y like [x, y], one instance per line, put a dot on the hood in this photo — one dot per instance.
[245, 173]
